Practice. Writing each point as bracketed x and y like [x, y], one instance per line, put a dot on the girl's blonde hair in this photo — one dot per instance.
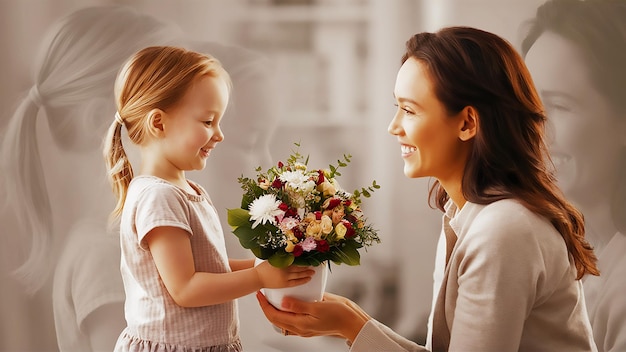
[156, 77]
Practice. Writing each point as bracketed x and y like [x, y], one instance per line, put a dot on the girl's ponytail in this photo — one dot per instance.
[27, 194]
[119, 170]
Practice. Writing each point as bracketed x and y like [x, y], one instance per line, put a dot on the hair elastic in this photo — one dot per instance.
[118, 118]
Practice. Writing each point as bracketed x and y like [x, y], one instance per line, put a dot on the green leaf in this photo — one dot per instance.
[281, 259]
[247, 237]
[348, 254]
[262, 253]
[238, 217]
[258, 252]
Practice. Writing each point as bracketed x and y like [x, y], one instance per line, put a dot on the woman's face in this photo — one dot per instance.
[583, 132]
[427, 134]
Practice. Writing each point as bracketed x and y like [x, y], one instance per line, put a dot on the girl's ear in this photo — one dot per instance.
[155, 122]
[469, 123]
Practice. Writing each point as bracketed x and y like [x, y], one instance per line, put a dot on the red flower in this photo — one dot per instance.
[347, 202]
[277, 183]
[333, 203]
[297, 250]
[320, 177]
[322, 246]
[298, 233]
[318, 215]
[283, 207]
[280, 164]
[291, 212]
[349, 229]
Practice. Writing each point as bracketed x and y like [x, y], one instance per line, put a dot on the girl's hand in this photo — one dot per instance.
[334, 315]
[273, 277]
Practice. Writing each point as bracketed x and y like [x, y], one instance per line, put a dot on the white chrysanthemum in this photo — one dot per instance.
[265, 209]
[298, 181]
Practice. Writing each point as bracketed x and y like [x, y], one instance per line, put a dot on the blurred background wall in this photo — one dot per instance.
[337, 62]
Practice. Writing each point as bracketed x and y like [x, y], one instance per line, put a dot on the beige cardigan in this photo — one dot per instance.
[507, 284]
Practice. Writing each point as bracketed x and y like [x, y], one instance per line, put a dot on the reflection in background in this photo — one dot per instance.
[575, 52]
[335, 64]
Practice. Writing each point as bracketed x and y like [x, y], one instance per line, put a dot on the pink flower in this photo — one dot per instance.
[309, 244]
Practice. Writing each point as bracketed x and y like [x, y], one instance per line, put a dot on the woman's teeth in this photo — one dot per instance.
[406, 149]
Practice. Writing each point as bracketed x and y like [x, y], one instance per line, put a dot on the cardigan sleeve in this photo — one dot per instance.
[375, 336]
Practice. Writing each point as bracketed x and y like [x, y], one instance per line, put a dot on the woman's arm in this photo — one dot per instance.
[335, 316]
[172, 254]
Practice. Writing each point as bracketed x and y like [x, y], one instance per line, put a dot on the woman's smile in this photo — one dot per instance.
[407, 150]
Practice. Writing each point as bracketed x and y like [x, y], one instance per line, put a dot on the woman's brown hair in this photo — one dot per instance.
[509, 157]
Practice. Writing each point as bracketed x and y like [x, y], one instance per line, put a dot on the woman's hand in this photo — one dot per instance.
[334, 315]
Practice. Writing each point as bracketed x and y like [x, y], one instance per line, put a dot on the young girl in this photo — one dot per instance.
[512, 249]
[180, 286]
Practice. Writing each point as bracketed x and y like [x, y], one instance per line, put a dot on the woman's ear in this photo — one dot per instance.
[469, 123]
[155, 122]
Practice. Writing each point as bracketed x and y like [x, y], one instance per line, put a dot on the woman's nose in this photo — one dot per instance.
[394, 126]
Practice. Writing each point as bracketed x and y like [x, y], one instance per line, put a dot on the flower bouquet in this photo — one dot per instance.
[292, 215]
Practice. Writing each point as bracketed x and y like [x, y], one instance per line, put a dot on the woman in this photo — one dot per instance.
[512, 249]
[575, 51]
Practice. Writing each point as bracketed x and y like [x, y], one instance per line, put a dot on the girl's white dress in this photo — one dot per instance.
[154, 321]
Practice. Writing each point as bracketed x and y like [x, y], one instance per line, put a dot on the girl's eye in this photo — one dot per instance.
[208, 123]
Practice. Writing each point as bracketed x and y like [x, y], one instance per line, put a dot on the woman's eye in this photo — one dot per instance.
[560, 107]
[558, 104]
[407, 111]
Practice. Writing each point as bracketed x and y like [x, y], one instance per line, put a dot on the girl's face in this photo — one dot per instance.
[583, 131]
[427, 134]
[191, 127]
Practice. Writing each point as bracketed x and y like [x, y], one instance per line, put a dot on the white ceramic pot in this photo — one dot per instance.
[311, 291]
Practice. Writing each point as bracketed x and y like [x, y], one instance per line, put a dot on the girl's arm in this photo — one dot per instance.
[172, 254]
[240, 264]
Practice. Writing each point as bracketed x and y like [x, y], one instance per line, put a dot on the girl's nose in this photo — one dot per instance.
[219, 135]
